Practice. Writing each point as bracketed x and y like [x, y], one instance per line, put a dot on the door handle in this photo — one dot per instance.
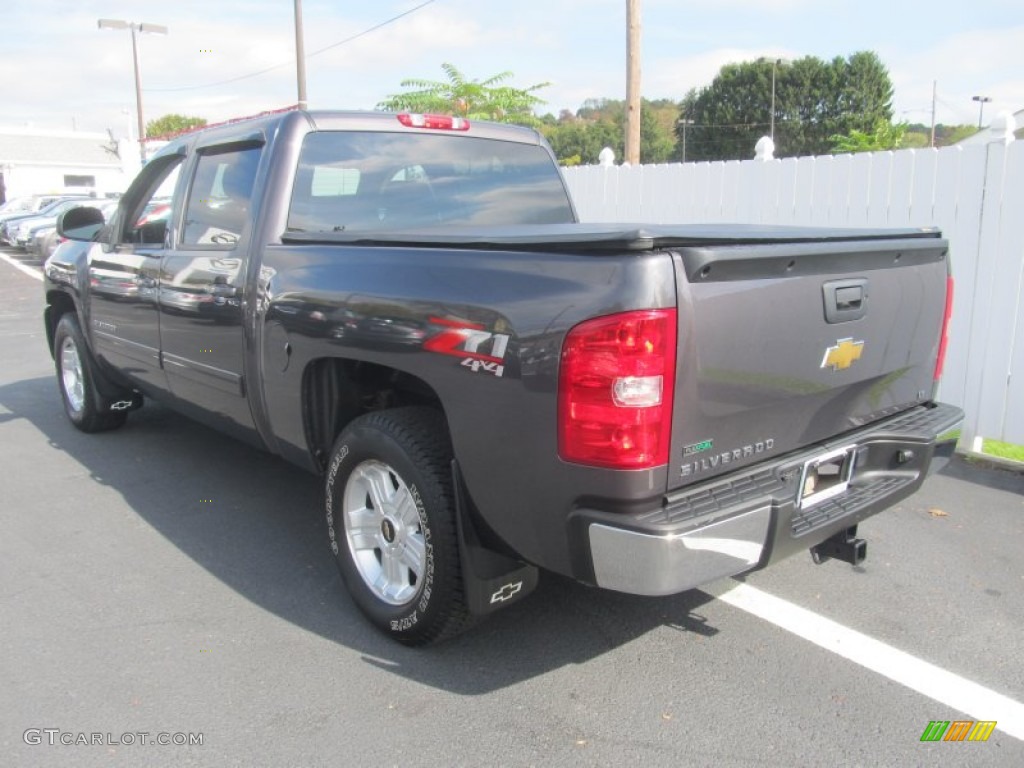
[223, 290]
[849, 297]
[845, 300]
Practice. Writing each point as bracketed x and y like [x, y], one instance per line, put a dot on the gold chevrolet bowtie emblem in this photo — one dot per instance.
[844, 354]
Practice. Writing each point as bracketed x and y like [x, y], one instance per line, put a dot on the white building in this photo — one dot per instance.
[35, 161]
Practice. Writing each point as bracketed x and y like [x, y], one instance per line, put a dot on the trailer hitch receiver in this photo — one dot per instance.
[843, 546]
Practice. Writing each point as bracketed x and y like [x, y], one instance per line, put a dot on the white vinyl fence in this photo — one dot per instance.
[974, 194]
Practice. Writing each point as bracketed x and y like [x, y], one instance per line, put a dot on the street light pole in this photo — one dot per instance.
[775, 64]
[141, 126]
[982, 101]
[154, 29]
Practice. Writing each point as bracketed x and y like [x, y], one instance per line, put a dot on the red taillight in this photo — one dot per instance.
[615, 390]
[940, 361]
[439, 122]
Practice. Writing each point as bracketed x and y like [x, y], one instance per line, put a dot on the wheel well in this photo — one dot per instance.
[337, 390]
[57, 303]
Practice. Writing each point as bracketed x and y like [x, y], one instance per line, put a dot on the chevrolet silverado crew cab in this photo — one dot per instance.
[407, 306]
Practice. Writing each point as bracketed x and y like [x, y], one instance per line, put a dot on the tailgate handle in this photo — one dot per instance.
[845, 300]
[849, 298]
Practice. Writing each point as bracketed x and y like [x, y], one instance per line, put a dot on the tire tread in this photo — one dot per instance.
[422, 433]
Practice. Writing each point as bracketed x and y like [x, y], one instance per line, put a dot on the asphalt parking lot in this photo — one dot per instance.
[164, 579]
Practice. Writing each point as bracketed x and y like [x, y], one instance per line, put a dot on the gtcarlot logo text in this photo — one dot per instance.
[57, 737]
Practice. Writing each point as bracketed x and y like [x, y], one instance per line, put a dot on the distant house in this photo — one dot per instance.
[34, 161]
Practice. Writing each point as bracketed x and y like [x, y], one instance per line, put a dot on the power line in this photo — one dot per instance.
[289, 63]
[960, 110]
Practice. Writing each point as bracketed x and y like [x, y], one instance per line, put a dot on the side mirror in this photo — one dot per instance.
[80, 223]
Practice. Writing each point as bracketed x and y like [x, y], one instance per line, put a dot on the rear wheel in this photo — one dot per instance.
[391, 521]
[76, 378]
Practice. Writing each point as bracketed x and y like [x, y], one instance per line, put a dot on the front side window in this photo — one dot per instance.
[220, 197]
[360, 181]
[148, 203]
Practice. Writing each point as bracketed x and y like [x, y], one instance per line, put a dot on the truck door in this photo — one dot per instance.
[202, 288]
[123, 277]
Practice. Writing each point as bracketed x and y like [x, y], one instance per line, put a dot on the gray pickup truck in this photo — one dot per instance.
[407, 306]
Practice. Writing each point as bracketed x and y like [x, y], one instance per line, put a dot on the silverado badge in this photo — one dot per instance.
[844, 354]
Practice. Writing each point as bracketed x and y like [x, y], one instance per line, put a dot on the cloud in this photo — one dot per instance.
[60, 66]
[672, 77]
[965, 64]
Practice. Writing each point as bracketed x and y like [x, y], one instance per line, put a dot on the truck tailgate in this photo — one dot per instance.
[786, 344]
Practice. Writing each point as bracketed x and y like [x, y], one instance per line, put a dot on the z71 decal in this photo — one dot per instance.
[480, 350]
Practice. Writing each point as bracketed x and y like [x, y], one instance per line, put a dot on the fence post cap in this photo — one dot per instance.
[1002, 128]
[764, 150]
[607, 157]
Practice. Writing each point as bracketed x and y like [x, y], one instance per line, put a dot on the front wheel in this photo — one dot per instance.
[77, 381]
[391, 522]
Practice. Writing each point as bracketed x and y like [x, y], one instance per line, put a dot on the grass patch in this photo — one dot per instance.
[1003, 450]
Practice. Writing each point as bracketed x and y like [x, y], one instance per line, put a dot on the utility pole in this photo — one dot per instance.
[633, 82]
[684, 122]
[300, 56]
[935, 86]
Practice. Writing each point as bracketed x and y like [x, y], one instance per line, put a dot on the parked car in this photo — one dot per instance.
[19, 232]
[24, 232]
[45, 239]
[29, 203]
[37, 241]
[7, 219]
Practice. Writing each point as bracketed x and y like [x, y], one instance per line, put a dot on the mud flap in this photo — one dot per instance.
[492, 580]
[109, 396]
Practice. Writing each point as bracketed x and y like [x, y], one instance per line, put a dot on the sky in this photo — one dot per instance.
[61, 72]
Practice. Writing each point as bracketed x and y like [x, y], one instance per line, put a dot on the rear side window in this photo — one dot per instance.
[349, 180]
[220, 196]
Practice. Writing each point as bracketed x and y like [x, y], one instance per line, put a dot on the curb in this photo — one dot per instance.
[992, 462]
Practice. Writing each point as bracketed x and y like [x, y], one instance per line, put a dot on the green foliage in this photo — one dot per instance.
[583, 139]
[885, 136]
[915, 140]
[1003, 450]
[480, 100]
[599, 123]
[920, 135]
[172, 125]
[814, 100]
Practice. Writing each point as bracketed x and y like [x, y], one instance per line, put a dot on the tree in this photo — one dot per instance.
[814, 100]
[580, 142]
[885, 136]
[172, 125]
[600, 123]
[480, 100]
[919, 135]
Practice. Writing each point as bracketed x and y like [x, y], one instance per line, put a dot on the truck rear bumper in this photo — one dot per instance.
[750, 518]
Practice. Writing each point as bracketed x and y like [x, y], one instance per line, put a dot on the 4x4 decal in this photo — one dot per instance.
[479, 349]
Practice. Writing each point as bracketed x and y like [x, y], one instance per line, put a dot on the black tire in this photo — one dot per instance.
[78, 389]
[400, 448]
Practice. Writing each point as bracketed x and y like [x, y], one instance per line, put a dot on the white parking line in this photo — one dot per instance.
[934, 682]
[27, 270]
